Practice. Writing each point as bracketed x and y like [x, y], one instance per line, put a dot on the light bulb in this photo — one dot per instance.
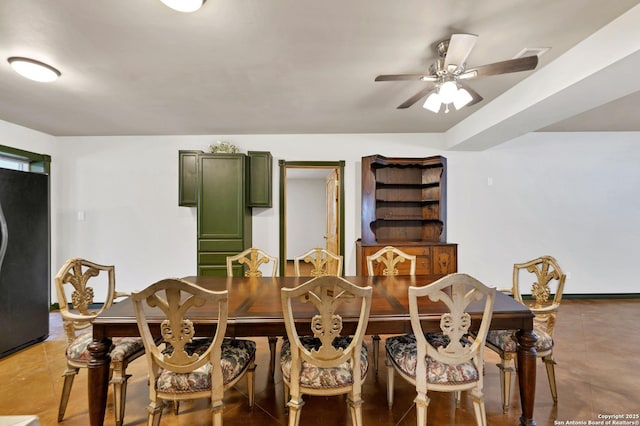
[432, 103]
[462, 98]
[448, 91]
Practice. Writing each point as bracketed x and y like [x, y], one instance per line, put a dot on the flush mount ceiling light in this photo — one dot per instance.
[184, 5]
[34, 70]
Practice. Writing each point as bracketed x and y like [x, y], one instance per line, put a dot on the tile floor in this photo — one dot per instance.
[598, 342]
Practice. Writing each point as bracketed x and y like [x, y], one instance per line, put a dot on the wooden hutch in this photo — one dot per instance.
[404, 204]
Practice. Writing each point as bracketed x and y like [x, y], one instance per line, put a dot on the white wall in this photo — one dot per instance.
[571, 195]
[306, 215]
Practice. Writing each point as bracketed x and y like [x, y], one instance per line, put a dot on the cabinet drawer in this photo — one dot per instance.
[424, 265]
[215, 271]
[415, 251]
[232, 245]
[216, 258]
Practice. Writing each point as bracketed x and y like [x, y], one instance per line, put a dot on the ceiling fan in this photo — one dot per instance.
[447, 76]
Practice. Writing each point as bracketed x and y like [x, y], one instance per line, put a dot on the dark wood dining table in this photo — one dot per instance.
[255, 310]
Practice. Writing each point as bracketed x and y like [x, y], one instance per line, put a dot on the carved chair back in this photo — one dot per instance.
[84, 290]
[323, 262]
[456, 292]
[390, 256]
[326, 294]
[253, 258]
[545, 280]
[173, 298]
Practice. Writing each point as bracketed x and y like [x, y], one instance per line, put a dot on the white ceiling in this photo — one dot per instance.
[135, 67]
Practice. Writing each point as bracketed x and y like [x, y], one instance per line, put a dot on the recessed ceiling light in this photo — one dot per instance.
[184, 5]
[34, 70]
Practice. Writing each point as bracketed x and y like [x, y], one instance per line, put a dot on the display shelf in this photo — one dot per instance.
[403, 199]
[404, 205]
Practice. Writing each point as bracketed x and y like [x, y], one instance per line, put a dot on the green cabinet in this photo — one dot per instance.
[224, 217]
[223, 187]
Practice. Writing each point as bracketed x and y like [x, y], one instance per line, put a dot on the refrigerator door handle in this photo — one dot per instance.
[4, 236]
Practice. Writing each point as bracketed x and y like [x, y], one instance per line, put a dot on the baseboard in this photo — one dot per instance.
[602, 296]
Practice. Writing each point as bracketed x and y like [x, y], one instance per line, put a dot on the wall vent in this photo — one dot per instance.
[531, 51]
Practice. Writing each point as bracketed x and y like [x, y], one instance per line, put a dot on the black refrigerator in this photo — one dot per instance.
[24, 259]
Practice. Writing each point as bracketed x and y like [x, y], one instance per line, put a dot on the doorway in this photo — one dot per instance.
[311, 208]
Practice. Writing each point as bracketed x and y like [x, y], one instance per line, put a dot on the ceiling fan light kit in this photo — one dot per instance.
[447, 93]
[184, 5]
[34, 70]
[448, 74]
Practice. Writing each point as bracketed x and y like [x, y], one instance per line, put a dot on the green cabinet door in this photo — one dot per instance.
[221, 207]
[224, 219]
[188, 178]
[260, 180]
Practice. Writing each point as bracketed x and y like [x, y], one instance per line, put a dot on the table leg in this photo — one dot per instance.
[527, 375]
[98, 379]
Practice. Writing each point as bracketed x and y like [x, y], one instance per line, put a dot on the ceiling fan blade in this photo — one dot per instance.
[460, 46]
[415, 98]
[400, 77]
[476, 97]
[512, 65]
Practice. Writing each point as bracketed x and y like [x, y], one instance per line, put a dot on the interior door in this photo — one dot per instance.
[331, 235]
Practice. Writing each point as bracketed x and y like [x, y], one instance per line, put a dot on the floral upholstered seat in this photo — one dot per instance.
[506, 339]
[75, 284]
[544, 278]
[237, 356]
[186, 365]
[403, 352]
[121, 348]
[312, 376]
[324, 363]
[446, 361]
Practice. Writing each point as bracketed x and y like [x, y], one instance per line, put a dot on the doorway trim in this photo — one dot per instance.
[339, 166]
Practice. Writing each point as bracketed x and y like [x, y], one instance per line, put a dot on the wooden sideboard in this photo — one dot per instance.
[431, 258]
[404, 204]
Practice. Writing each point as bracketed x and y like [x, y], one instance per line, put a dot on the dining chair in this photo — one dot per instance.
[546, 281]
[448, 361]
[323, 262]
[77, 283]
[324, 362]
[387, 259]
[184, 365]
[253, 258]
